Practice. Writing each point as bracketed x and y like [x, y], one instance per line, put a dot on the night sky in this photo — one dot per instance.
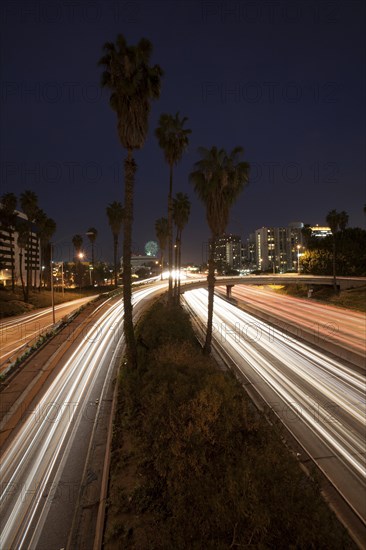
[282, 79]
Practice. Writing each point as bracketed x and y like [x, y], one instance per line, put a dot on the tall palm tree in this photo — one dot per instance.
[133, 84]
[29, 205]
[337, 222]
[115, 213]
[162, 233]
[46, 227]
[181, 211]
[218, 179]
[7, 221]
[173, 140]
[92, 234]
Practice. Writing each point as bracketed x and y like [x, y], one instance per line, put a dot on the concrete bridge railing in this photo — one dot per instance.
[342, 282]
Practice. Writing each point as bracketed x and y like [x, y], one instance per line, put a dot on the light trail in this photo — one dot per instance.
[33, 461]
[347, 327]
[324, 394]
[16, 332]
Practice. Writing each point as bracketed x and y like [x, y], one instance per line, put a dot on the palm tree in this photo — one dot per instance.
[46, 228]
[218, 179]
[337, 222]
[29, 205]
[162, 233]
[173, 140]
[92, 234]
[181, 211]
[133, 84]
[115, 213]
[7, 221]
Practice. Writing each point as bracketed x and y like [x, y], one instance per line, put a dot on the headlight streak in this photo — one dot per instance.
[329, 377]
[45, 311]
[25, 328]
[31, 458]
[329, 323]
[78, 370]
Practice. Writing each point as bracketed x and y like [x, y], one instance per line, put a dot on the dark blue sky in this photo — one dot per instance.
[283, 79]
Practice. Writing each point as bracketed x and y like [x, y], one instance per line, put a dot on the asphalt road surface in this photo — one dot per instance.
[42, 466]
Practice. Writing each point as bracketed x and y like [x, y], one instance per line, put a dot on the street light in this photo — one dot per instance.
[52, 288]
[298, 258]
[80, 256]
[62, 278]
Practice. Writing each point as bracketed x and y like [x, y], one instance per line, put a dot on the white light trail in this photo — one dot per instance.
[28, 464]
[302, 377]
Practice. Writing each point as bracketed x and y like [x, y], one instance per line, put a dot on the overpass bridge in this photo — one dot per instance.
[343, 283]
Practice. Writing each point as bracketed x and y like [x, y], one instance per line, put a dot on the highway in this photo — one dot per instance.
[320, 400]
[343, 326]
[17, 331]
[42, 466]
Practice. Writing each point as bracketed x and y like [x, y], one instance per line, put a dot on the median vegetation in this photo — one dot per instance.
[195, 465]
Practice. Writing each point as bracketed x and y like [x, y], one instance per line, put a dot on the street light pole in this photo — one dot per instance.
[52, 288]
[62, 279]
[298, 258]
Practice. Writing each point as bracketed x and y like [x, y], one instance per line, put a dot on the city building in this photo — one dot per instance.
[249, 260]
[228, 252]
[18, 258]
[320, 231]
[295, 244]
[277, 249]
[143, 261]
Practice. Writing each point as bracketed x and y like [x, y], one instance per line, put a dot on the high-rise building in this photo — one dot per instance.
[249, 259]
[13, 256]
[294, 245]
[228, 251]
[277, 248]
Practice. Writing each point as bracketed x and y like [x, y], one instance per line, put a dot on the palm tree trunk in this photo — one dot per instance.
[40, 277]
[42, 256]
[170, 231]
[131, 351]
[35, 269]
[21, 274]
[162, 264]
[175, 267]
[115, 248]
[28, 268]
[12, 261]
[179, 264]
[211, 289]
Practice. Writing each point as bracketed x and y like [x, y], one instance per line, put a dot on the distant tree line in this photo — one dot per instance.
[343, 253]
